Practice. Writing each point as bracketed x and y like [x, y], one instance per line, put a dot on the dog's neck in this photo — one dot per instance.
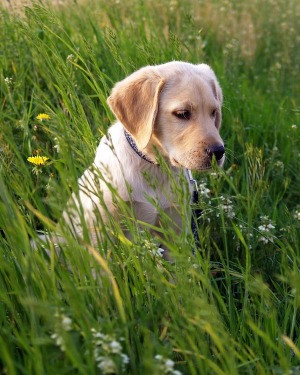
[133, 145]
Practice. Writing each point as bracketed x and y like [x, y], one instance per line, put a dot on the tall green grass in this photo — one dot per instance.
[233, 308]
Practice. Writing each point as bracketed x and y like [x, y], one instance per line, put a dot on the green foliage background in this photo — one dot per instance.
[233, 308]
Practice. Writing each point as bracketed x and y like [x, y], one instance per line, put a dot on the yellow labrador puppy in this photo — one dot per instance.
[173, 108]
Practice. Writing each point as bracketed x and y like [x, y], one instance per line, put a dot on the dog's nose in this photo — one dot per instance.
[216, 150]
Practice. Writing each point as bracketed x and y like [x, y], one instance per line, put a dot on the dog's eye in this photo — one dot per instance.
[183, 115]
[213, 113]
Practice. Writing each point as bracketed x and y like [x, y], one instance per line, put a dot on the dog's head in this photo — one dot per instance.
[175, 107]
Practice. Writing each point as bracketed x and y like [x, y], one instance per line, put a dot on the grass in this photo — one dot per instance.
[233, 308]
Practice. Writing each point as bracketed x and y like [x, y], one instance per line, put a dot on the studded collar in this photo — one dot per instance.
[133, 145]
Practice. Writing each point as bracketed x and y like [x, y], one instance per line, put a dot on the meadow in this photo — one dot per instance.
[233, 306]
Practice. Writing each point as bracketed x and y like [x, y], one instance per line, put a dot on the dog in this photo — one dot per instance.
[172, 110]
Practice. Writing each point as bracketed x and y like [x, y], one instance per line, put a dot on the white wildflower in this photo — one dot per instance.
[66, 323]
[59, 341]
[56, 146]
[8, 81]
[169, 364]
[263, 228]
[125, 358]
[115, 347]
[297, 214]
[294, 127]
[106, 350]
[265, 240]
[97, 334]
[266, 229]
[107, 365]
[70, 58]
[63, 323]
[278, 164]
[214, 174]
[227, 207]
[166, 365]
[278, 66]
[203, 190]
[264, 218]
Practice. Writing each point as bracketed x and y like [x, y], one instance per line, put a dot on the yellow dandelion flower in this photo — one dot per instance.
[43, 116]
[37, 160]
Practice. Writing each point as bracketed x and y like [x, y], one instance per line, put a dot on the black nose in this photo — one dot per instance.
[216, 150]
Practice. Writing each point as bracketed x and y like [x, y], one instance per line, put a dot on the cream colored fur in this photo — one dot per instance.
[145, 104]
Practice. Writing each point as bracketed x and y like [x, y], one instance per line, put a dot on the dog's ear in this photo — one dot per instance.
[208, 74]
[134, 101]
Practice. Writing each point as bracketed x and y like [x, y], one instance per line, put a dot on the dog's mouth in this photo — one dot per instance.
[175, 163]
[205, 167]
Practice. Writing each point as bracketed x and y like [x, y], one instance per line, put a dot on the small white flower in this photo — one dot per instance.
[70, 58]
[278, 164]
[265, 240]
[297, 214]
[59, 341]
[106, 349]
[267, 228]
[294, 126]
[214, 174]
[203, 190]
[8, 81]
[166, 365]
[98, 335]
[107, 365]
[264, 218]
[66, 323]
[227, 207]
[169, 364]
[262, 228]
[56, 146]
[125, 358]
[115, 347]
[278, 66]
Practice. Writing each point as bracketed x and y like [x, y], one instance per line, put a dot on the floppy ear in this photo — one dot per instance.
[208, 74]
[134, 101]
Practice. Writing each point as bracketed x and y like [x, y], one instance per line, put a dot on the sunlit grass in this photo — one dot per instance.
[231, 308]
